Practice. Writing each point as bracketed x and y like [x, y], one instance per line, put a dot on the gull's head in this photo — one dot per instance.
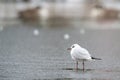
[74, 46]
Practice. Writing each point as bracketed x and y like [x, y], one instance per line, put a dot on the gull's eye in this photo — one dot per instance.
[73, 46]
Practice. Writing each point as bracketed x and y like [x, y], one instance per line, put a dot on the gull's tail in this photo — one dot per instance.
[96, 58]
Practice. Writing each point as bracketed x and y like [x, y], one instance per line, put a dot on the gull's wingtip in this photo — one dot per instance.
[96, 58]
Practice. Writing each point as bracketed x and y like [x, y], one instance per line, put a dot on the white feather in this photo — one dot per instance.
[79, 53]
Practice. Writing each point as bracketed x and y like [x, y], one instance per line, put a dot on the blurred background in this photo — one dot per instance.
[34, 36]
[59, 12]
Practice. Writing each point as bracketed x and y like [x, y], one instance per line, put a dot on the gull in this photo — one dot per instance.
[80, 54]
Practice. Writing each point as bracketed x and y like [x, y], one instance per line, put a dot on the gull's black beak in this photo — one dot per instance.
[68, 48]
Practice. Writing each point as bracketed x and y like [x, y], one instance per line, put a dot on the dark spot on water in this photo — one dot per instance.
[59, 79]
[2, 76]
[78, 69]
[68, 69]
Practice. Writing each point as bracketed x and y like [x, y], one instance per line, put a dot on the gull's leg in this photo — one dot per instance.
[83, 65]
[76, 65]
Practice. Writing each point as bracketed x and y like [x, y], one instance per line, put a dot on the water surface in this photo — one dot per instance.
[25, 56]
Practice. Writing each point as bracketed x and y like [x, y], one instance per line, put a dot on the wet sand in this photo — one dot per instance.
[25, 56]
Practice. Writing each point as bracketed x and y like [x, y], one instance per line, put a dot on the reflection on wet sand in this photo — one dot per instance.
[79, 70]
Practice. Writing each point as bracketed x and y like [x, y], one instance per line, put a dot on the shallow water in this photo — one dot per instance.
[25, 56]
